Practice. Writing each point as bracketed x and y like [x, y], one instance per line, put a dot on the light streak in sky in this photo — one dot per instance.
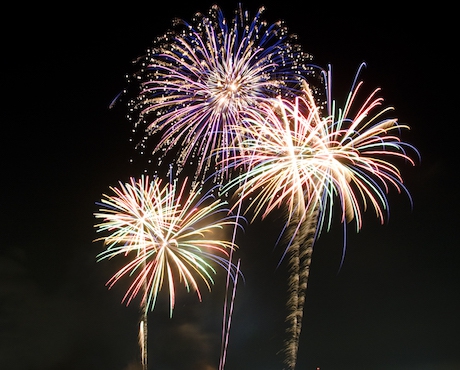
[167, 233]
[203, 77]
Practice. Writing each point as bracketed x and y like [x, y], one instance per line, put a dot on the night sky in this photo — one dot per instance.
[395, 302]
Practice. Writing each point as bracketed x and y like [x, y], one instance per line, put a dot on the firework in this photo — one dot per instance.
[297, 157]
[168, 234]
[300, 158]
[203, 77]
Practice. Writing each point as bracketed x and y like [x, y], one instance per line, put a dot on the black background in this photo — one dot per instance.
[393, 305]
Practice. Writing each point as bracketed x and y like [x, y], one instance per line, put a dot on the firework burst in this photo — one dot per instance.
[203, 77]
[297, 157]
[168, 233]
[304, 160]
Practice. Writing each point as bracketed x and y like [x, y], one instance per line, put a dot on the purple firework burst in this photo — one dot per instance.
[203, 77]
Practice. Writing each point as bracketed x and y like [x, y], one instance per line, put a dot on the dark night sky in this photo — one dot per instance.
[393, 305]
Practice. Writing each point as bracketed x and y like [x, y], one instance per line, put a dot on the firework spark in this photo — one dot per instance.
[205, 76]
[303, 160]
[168, 231]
